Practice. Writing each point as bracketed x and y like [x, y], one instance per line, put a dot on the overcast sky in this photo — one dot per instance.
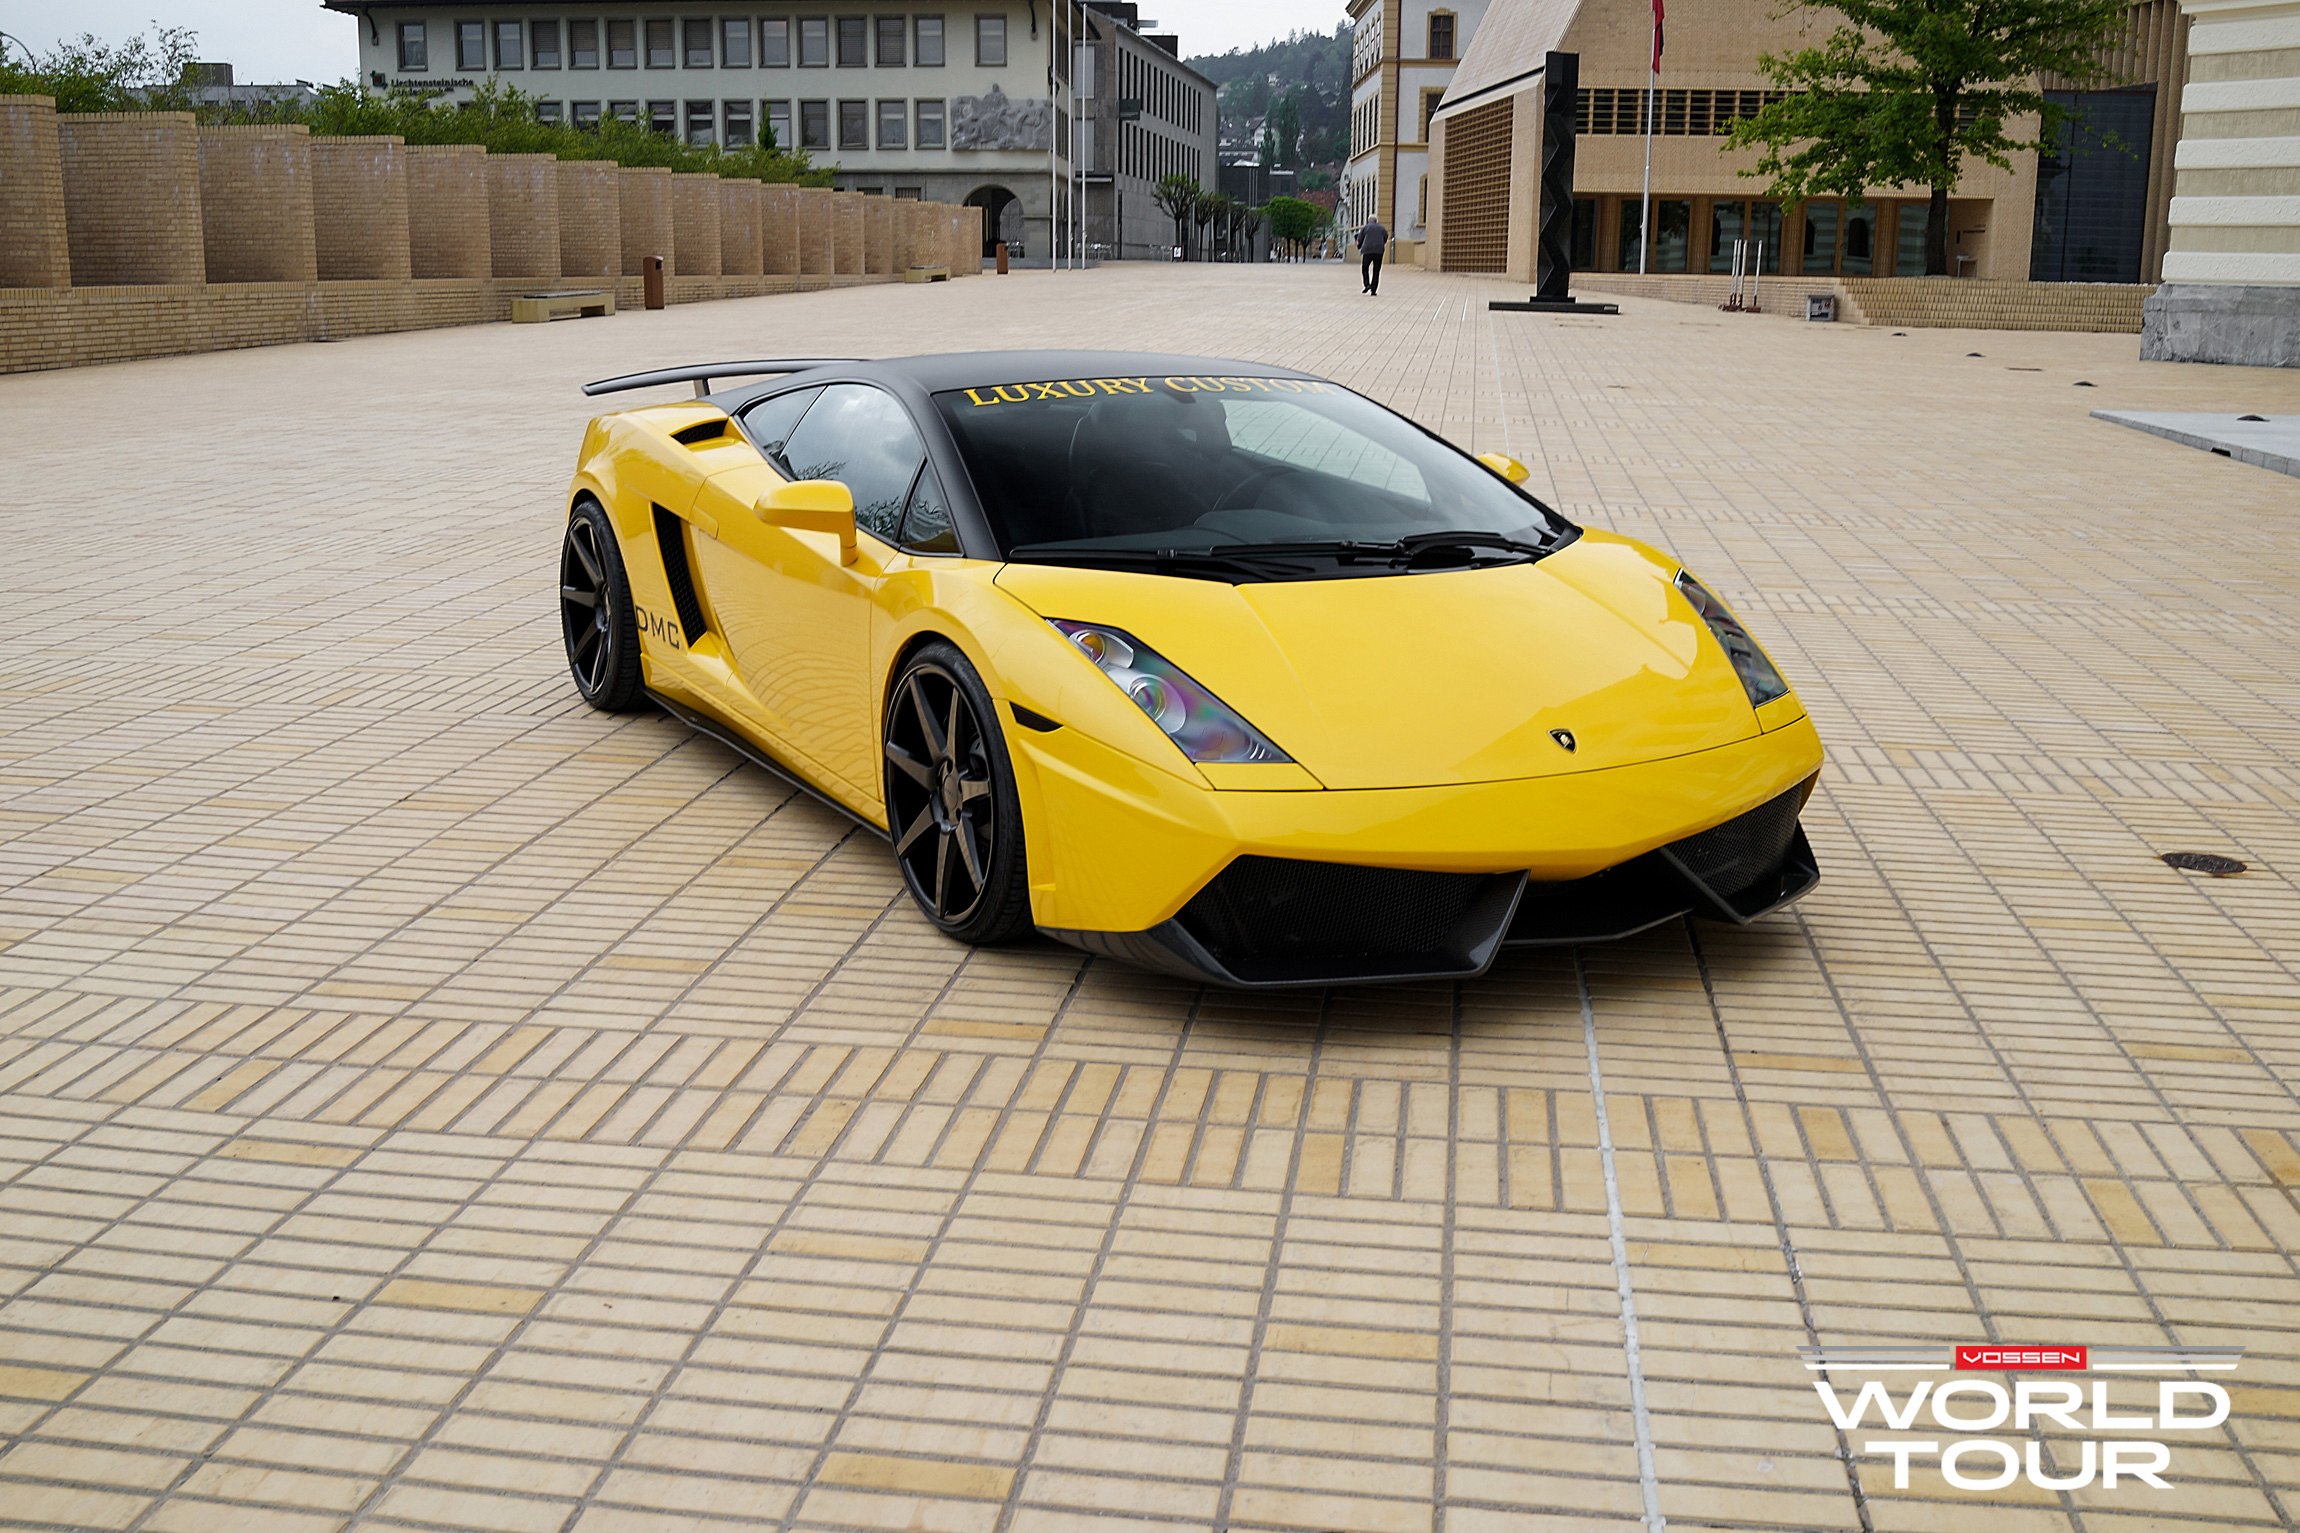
[296, 40]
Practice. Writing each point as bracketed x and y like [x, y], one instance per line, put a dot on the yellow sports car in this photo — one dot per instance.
[1221, 669]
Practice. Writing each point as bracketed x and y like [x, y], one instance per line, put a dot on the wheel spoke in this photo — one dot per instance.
[914, 830]
[942, 875]
[597, 675]
[971, 857]
[936, 746]
[580, 597]
[586, 641]
[950, 730]
[969, 790]
[590, 564]
[909, 765]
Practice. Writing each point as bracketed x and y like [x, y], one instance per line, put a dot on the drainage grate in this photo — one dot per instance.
[2203, 862]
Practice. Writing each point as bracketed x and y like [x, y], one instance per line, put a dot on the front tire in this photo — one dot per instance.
[596, 617]
[951, 805]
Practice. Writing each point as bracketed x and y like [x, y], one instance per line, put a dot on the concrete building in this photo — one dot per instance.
[1403, 54]
[2093, 212]
[946, 103]
[1143, 115]
[2232, 275]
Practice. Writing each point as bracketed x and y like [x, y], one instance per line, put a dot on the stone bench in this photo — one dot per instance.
[537, 308]
[926, 274]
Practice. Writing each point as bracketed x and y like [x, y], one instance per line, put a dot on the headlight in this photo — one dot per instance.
[1197, 721]
[1758, 678]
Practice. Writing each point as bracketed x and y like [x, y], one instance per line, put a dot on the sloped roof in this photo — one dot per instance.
[1509, 47]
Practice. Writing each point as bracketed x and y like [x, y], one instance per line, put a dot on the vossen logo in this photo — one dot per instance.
[2139, 1451]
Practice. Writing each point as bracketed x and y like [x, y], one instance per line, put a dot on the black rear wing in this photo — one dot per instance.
[702, 374]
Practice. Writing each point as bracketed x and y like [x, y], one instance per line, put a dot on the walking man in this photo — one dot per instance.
[1373, 240]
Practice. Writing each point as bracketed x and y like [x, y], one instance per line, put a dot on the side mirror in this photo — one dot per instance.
[813, 505]
[1506, 466]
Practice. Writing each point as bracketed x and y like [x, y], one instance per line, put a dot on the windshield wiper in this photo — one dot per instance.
[1202, 563]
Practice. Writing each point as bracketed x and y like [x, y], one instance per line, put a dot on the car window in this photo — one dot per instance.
[1293, 435]
[770, 422]
[926, 527]
[862, 437]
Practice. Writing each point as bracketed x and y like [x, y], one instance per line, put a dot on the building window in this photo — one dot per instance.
[414, 46]
[1441, 35]
[510, 50]
[910, 194]
[735, 42]
[543, 44]
[583, 45]
[623, 111]
[471, 47]
[740, 133]
[775, 44]
[814, 125]
[622, 45]
[702, 123]
[586, 114]
[931, 131]
[697, 43]
[779, 123]
[662, 52]
[549, 111]
[892, 32]
[927, 33]
[854, 42]
[854, 125]
[893, 125]
[663, 118]
[814, 42]
[990, 42]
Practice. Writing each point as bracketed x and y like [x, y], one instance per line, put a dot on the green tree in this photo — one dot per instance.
[91, 75]
[1286, 124]
[1904, 92]
[1294, 223]
[1177, 197]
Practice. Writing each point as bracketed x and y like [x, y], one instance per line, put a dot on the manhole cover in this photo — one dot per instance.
[2203, 862]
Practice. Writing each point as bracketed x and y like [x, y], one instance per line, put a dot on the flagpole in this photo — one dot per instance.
[1645, 206]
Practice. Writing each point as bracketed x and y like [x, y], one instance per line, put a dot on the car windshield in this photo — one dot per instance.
[1225, 477]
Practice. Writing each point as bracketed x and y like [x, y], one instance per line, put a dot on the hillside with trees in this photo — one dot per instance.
[1287, 101]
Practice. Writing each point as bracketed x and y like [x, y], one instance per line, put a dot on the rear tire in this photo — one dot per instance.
[596, 618]
[951, 805]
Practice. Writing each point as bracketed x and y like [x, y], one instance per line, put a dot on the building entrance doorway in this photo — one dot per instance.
[1001, 219]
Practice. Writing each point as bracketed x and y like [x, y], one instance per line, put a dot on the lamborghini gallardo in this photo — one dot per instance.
[1219, 669]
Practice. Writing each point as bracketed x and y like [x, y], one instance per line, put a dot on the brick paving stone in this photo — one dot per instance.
[426, 1103]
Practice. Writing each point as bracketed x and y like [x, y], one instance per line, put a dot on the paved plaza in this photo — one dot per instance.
[427, 1103]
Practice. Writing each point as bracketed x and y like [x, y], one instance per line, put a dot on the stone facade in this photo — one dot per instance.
[2253, 324]
[256, 204]
[35, 250]
[359, 209]
[132, 198]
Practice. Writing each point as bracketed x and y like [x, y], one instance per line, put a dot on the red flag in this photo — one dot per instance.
[1657, 36]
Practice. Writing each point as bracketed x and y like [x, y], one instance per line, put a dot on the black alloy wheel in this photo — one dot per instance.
[951, 804]
[595, 613]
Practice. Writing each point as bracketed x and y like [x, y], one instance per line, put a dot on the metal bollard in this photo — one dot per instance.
[651, 274]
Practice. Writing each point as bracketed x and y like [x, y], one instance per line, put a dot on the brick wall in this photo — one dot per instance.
[695, 223]
[590, 219]
[739, 249]
[779, 230]
[132, 197]
[447, 213]
[878, 235]
[523, 214]
[815, 235]
[847, 234]
[646, 197]
[359, 208]
[34, 249]
[256, 204]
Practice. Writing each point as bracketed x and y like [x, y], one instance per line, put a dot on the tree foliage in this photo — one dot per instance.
[1313, 68]
[1906, 92]
[1294, 223]
[91, 75]
[1177, 197]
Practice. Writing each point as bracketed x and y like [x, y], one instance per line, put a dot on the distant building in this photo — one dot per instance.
[1144, 115]
[2095, 210]
[213, 86]
[906, 99]
[1403, 54]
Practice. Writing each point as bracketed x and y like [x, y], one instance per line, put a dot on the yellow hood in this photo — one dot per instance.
[1453, 677]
